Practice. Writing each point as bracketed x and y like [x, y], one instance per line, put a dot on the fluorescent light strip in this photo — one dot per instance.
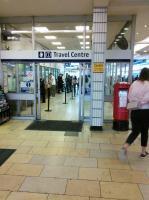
[81, 28]
[56, 43]
[61, 47]
[41, 29]
[87, 47]
[50, 37]
[15, 31]
[81, 36]
[85, 43]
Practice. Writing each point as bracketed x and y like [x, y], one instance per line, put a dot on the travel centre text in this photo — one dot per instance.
[71, 54]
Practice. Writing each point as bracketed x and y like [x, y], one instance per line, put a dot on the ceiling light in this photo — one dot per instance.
[122, 33]
[61, 47]
[85, 43]
[81, 28]
[145, 51]
[120, 36]
[41, 29]
[56, 43]
[145, 26]
[137, 33]
[50, 37]
[13, 32]
[81, 36]
[87, 47]
[117, 40]
[126, 28]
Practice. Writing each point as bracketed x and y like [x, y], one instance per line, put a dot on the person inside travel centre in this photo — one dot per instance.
[138, 92]
[52, 83]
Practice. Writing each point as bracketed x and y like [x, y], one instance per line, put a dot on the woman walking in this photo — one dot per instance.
[138, 92]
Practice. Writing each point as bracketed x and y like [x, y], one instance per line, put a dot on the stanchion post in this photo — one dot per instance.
[72, 92]
[49, 94]
[65, 96]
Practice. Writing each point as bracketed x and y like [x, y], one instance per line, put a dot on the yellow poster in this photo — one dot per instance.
[98, 68]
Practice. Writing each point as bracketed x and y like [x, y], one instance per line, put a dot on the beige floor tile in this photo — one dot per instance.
[103, 154]
[11, 142]
[23, 150]
[25, 170]
[129, 176]
[26, 196]
[81, 162]
[35, 143]
[94, 174]
[83, 188]
[5, 167]
[11, 183]
[145, 191]
[62, 144]
[60, 172]
[19, 158]
[120, 191]
[99, 140]
[110, 147]
[139, 164]
[44, 151]
[87, 146]
[44, 185]
[4, 195]
[66, 197]
[79, 152]
[102, 199]
[48, 160]
[112, 164]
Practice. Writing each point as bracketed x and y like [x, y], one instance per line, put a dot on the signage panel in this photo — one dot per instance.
[53, 55]
[98, 68]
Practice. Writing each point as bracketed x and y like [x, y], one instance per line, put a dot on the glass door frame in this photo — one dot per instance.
[113, 70]
[82, 86]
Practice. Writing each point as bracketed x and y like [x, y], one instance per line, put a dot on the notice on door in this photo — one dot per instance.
[98, 68]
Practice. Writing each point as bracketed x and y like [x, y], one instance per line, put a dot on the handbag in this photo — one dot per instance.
[132, 105]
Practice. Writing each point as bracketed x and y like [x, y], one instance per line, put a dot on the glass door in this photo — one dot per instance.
[84, 91]
[116, 71]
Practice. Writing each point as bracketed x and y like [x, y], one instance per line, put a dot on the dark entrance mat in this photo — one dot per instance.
[5, 154]
[54, 125]
[70, 133]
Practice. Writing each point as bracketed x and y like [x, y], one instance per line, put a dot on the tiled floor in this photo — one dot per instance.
[50, 166]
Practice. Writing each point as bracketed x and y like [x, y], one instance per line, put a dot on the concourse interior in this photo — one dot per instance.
[60, 60]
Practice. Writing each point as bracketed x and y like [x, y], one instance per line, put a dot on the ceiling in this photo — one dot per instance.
[13, 8]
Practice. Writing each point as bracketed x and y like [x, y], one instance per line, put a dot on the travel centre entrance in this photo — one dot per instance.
[27, 84]
[63, 91]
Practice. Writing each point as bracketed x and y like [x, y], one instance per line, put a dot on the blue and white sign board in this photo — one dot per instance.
[49, 55]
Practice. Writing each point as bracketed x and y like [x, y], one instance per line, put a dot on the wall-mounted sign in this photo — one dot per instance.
[49, 55]
[98, 68]
[64, 54]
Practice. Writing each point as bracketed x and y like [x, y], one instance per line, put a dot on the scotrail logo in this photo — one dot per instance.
[44, 54]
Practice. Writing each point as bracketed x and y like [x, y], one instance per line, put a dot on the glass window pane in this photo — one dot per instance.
[16, 36]
[61, 35]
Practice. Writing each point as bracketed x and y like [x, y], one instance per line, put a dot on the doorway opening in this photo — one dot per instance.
[70, 89]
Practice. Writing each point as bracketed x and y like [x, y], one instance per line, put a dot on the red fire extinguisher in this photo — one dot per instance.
[120, 111]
